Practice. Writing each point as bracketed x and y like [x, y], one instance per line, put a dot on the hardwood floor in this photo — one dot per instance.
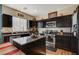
[58, 52]
[8, 49]
[43, 51]
[40, 50]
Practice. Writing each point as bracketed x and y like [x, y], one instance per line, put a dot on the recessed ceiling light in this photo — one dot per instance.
[35, 10]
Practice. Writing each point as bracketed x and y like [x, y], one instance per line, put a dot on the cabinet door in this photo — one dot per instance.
[58, 42]
[6, 38]
[30, 24]
[74, 44]
[7, 20]
[64, 21]
[63, 42]
[59, 22]
[67, 21]
[66, 42]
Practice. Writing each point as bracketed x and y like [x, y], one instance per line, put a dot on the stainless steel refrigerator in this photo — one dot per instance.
[75, 25]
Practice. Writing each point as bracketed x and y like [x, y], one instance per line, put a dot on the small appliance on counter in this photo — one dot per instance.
[34, 36]
[61, 32]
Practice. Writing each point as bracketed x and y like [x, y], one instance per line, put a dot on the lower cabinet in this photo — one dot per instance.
[69, 43]
[62, 42]
[74, 45]
[6, 38]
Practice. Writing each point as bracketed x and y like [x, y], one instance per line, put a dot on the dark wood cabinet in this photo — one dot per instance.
[6, 38]
[6, 20]
[32, 23]
[74, 45]
[61, 21]
[64, 21]
[69, 43]
[62, 42]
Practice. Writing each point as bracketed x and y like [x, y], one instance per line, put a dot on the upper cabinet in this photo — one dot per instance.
[6, 20]
[30, 23]
[33, 23]
[62, 21]
[16, 23]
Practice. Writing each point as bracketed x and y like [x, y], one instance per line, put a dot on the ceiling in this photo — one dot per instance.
[38, 9]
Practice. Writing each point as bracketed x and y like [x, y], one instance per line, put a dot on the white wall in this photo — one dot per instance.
[67, 29]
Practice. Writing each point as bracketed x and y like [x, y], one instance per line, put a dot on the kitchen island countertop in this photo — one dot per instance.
[26, 40]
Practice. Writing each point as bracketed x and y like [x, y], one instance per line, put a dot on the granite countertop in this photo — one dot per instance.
[65, 34]
[26, 40]
[12, 34]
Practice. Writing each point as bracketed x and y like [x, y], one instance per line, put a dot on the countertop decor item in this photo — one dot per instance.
[34, 36]
[34, 30]
[61, 32]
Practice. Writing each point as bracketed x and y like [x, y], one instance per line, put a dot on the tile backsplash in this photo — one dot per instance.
[67, 29]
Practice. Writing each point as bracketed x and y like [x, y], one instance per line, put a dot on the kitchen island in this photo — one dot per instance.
[7, 36]
[28, 44]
